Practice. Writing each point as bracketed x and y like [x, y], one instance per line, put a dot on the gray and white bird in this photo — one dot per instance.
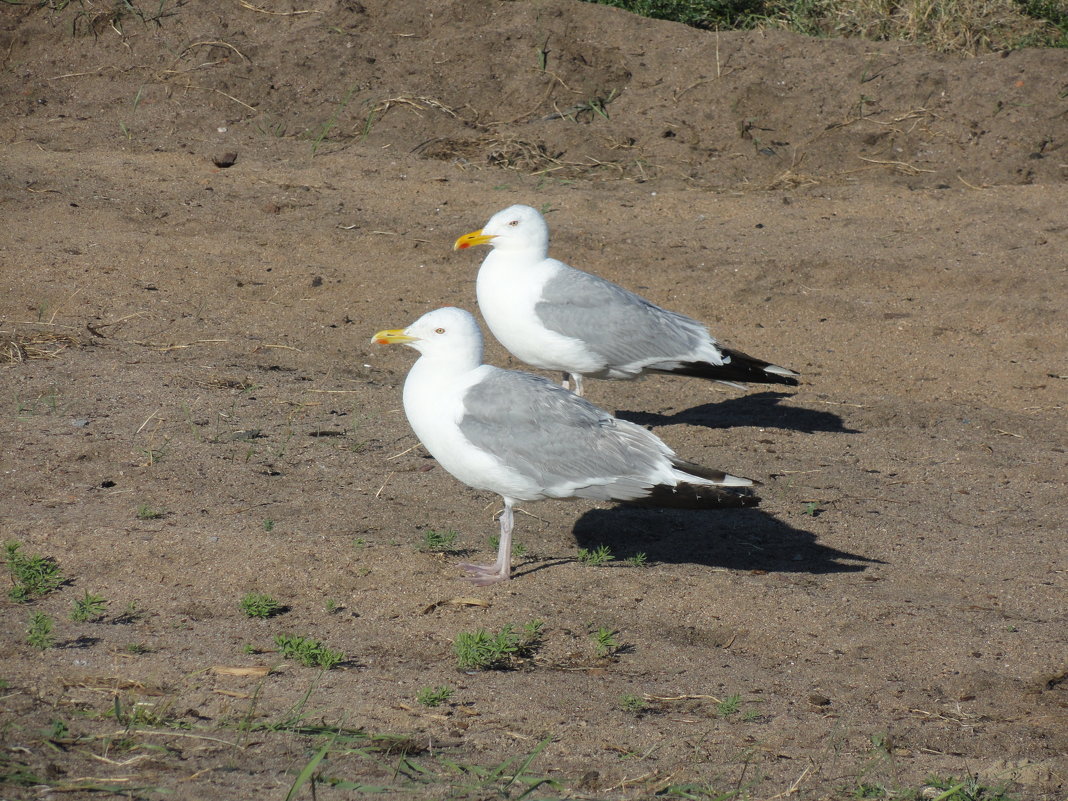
[555, 317]
[528, 439]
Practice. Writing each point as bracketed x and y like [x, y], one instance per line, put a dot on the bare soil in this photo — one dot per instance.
[192, 339]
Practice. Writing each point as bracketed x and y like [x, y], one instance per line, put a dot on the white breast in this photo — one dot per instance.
[508, 289]
[433, 403]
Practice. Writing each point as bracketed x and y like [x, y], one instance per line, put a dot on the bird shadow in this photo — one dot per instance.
[761, 409]
[737, 539]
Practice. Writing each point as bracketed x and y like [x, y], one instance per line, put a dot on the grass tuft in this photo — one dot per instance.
[308, 652]
[89, 607]
[257, 604]
[39, 632]
[598, 556]
[509, 779]
[439, 541]
[481, 650]
[605, 642]
[330, 124]
[146, 512]
[729, 706]
[31, 576]
[434, 696]
[634, 704]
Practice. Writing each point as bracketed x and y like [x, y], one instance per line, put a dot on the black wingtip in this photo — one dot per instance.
[719, 477]
[697, 496]
[741, 368]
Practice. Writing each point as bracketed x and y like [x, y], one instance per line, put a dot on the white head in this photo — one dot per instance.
[447, 334]
[519, 228]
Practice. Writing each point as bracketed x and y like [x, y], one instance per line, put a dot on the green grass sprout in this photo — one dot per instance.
[39, 632]
[434, 696]
[481, 650]
[598, 556]
[257, 604]
[32, 577]
[308, 652]
[89, 607]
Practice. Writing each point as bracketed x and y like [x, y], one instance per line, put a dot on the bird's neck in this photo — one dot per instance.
[529, 253]
[434, 385]
[434, 375]
[514, 272]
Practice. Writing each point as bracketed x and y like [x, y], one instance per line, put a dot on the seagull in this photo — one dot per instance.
[555, 317]
[528, 439]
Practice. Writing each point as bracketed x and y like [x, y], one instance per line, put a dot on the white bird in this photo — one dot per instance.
[527, 439]
[555, 317]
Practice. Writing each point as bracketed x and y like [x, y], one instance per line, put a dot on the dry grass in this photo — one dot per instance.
[531, 158]
[955, 26]
[506, 151]
[22, 346]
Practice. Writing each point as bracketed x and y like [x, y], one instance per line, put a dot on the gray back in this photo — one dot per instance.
[555, 438]
[617, 325]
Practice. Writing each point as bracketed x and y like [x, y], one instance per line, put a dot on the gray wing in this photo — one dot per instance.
[617, 325]
[561, 442]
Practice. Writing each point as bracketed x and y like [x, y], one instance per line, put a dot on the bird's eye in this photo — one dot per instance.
[514, 223]
[439, 330]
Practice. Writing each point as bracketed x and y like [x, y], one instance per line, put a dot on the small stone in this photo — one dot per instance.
[224, 160]
[816, 699]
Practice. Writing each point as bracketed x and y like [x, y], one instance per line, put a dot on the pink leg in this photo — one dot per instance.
[502, 568]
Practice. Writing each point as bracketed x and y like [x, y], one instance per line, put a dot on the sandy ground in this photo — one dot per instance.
[192, 340]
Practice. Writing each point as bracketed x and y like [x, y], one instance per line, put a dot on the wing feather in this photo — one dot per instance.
[624, 329]
[560, 441]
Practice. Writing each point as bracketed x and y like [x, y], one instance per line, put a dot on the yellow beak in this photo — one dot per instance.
[473, 238]
[392, 336]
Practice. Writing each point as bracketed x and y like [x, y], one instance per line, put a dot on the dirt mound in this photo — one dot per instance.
[552, 88]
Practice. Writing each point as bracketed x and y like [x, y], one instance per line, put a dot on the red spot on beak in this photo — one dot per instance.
[464, 245]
